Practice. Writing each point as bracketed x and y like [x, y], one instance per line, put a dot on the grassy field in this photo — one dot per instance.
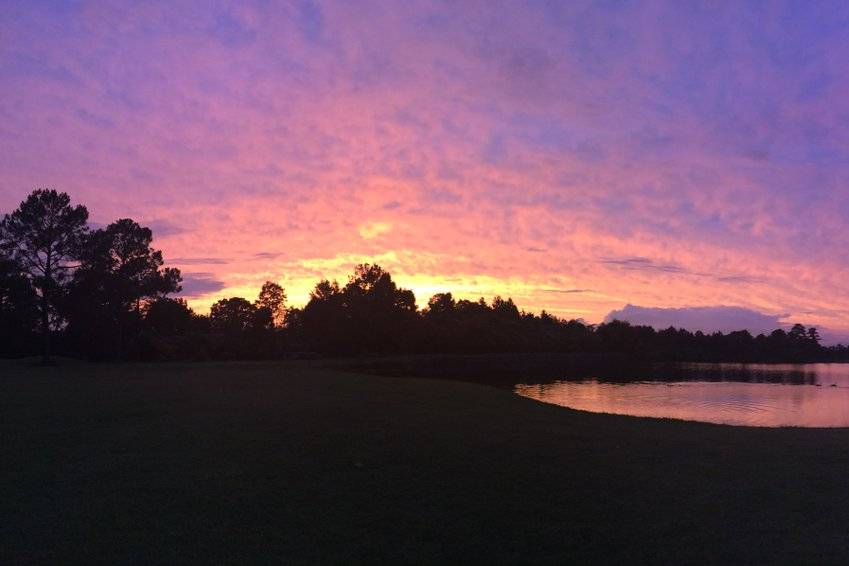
[295, 462]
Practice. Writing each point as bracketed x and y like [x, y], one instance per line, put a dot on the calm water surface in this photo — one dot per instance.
[808, 395]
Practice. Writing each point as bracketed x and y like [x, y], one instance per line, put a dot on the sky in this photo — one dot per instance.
[658, 161]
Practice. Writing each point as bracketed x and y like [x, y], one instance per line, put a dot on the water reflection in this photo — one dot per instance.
[812, 395]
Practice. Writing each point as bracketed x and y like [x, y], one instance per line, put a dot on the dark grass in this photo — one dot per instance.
[293, 463]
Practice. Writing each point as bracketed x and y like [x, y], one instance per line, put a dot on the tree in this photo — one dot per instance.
[377, 313]
[798, 333]
[232, 315]
[43, 236]
[370, 314]
[272, 297]
[441, 304]
[325, 290]
[505, 309]
[119, 273]
[376, 287]
[18, 309]
[169, 317]
[813, 335]
[322, 321]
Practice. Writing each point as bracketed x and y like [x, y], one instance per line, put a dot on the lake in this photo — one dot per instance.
[769, 395]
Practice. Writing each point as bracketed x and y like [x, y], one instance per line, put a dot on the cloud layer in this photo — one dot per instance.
[666, 154]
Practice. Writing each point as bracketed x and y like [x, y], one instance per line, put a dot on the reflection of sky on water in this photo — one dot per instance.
[814, 395]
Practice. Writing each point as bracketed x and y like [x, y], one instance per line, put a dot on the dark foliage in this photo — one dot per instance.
[104, 294]
[118, 273]
[19, 314]
[44, 237]
[369, 314]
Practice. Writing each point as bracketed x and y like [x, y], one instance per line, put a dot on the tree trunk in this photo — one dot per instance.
[46, 288]
[45, 328]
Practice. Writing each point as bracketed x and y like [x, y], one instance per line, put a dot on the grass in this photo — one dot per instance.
[303, 463]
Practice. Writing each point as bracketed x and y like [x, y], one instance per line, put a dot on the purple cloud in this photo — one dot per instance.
[198, 284]
[706, 319]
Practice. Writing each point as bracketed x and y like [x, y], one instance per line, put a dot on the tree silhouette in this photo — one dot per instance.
[272, 298]
[370, 314]
[169, 317]
[325, 291]
[232, 315]
[798, 333]
[505, 308]
[119, 273]
[105, 294]
[440, 305]
[18, 308]
[43, 236]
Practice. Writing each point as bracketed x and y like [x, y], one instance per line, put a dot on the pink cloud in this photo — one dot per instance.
[453, 143]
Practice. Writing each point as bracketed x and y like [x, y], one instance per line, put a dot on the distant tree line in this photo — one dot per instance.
[105, 294]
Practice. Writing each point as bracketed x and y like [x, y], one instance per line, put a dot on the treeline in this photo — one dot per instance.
[105, 294]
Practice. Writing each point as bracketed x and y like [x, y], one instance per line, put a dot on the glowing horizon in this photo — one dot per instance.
[578, 158]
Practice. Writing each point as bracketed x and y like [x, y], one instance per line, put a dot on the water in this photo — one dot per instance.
[807, 395]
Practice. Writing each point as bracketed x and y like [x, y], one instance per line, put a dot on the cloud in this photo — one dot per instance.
[267, 255]
[706, 319]
[649, 265]
[178, 261]
[199, 284]
[310, 20]
[568, 291]
[231, 31]
[163, 227]
[372, 230]
[656, 154]
[643, 264]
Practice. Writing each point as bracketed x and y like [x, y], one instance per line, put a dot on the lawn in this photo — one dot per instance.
[300, 462]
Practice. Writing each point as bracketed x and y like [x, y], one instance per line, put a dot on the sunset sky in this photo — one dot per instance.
[579, 157]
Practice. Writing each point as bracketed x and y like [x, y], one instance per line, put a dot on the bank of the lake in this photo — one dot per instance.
[301, 462]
